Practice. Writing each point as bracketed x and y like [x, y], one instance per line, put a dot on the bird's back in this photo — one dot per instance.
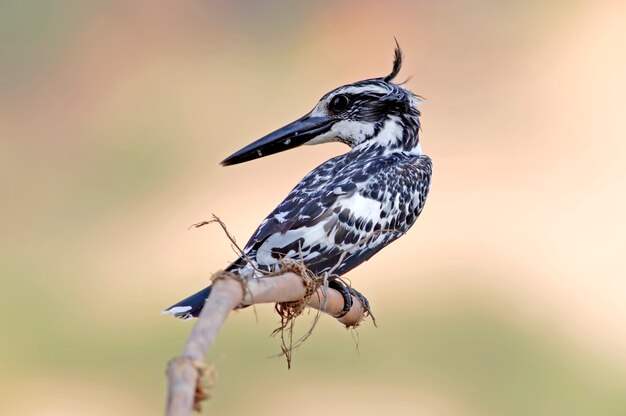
[341, 213]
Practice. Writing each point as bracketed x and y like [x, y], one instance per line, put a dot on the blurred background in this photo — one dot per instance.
[507, 298]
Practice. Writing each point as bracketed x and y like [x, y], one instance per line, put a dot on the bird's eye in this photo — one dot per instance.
[339, 103]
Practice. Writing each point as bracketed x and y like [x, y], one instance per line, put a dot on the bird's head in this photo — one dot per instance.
[371, 113]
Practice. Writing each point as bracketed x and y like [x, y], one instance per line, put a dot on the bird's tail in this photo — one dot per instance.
[190, 307]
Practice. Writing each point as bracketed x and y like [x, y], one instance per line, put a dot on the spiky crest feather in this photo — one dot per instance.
[397, 63]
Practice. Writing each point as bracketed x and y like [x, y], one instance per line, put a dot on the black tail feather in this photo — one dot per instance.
[189, 307]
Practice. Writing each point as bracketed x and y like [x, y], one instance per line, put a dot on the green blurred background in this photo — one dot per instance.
[507, 298]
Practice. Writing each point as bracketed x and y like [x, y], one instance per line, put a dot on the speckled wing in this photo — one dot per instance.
[341, 214]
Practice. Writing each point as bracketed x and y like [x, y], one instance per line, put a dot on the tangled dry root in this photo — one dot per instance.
[289, 311]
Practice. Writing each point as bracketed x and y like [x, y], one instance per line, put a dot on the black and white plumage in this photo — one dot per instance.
[350, 207]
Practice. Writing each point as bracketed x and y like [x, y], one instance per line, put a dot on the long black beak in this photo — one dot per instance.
[292, 135]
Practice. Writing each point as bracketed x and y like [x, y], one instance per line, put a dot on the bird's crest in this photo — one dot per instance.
[397, 63]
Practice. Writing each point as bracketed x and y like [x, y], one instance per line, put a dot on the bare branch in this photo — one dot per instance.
[184, 373]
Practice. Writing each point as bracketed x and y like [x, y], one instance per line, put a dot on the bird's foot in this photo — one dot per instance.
[347, 293]
[342, 288]
[364, 302]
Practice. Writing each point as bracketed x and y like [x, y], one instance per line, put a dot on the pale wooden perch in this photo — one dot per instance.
[184, 372]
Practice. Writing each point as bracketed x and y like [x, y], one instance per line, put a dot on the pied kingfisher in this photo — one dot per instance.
[351, 206]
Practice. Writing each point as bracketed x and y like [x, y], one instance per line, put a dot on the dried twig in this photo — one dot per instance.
[185, 391]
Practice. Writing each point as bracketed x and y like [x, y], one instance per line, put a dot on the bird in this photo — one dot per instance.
[350, 207]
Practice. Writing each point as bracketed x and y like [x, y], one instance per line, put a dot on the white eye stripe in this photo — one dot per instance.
[356, 90]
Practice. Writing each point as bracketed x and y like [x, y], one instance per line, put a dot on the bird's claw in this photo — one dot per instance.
[347, 293]
[362, 299]
[340, 287]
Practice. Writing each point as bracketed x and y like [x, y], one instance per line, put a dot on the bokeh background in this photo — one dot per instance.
[507, 298]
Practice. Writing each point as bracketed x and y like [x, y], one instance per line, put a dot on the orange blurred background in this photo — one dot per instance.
[507, 298]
